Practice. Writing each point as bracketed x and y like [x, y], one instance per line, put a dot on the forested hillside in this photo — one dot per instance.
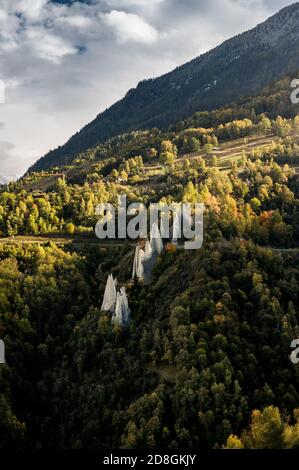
[209, 342]
[239, 67]
[204, 361]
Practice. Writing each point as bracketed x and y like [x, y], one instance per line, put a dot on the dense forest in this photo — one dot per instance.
[205, 360]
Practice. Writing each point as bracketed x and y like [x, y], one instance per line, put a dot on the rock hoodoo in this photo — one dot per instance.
[121, 314]
[109, 300]
[116, 302]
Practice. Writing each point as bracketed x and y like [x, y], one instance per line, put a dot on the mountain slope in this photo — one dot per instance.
[240, 66]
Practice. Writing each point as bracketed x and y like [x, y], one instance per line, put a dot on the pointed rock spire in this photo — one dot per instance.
[141, 258]
[138, 269]
[148, 250]
[109, 299]
[121, 315]
[125, 305]
[117, 317]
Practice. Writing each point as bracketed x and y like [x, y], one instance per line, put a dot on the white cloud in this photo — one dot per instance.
[64, 63]
[8, 30]
[77, 21]
[48, 46]
[3, 15]
[30, 8]
[129, 27]
[129, 3]
[7, 161]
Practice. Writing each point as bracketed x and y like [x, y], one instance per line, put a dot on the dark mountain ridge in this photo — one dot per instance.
[239, 67]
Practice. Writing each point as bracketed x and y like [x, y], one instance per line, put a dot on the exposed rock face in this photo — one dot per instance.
[125, 306]
[117, 318]
[116, 302]
[141, 259]
[121, 314]
[145, 259]
[138, 268]
[149, 262]
[148, 250]
[109, 300]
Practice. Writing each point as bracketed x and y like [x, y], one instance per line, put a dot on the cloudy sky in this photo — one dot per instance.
[64, 62]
